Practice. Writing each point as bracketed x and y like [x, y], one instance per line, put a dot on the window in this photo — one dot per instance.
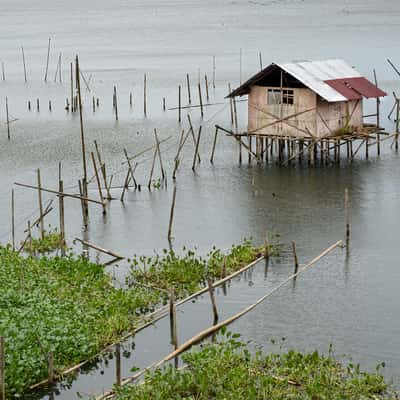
[274, 96]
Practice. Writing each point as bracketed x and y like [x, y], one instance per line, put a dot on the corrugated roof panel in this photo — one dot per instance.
[345, 90]
[313, 80]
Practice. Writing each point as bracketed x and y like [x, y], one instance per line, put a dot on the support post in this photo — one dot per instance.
[347, 216]
[171, 214]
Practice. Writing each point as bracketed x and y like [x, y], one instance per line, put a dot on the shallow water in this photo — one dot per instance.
[349, 302]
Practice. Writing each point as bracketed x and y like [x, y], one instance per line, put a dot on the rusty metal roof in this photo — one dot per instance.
[316, 75]
[355, 88]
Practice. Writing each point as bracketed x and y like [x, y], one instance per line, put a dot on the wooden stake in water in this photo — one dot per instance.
[115, 103]
[84, 182]
[201, 101]
[23, 61]
[50, 361]
[347, 216]
[47, 61]
[296, 262]
[8, 120]
[2, 369]
[13, 219]
[3, 71]
[61, 215]
[179, 104]
[72, 88]
[206, 84]
[214, 144]
[145, 95]
[159, 154]
[40, 204]
[118, 364]
[212, 297]
[260, 57]
[171, 214]
[196, 150]
[188, 88]
[172, 318]
[214, 70]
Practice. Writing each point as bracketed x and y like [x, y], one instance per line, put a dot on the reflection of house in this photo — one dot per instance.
[306, 99]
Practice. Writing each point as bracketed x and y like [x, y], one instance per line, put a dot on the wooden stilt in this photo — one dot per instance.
[7, 120]
[171, 214]
[47, 62]
[347, 216]
[214, 144]
[118, 377]
[145, 95]
[188, 89]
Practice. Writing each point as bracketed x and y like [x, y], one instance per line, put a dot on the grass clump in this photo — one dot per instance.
[228, 371]
[51, 241]
[187, 273]
[62, 305]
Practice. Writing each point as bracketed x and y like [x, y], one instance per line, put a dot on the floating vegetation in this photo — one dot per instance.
[67, 306]
[51, 241]
[188, 273]
[228, 370]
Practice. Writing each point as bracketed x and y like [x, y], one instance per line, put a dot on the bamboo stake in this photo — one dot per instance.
[61, 214]
[8, 120]
[13, 219]
[40, 204]
[212, 298]
[163, 104]
[397, 123]
[296, 262]
[196, 149]
[172, 319]
[193, 136]
[159, 155]
[171, 214]
[72, 88]
[115, 103]
[260, 58]
[101, 249]
[74, 196]
[84, 181]
[118, 364]
[47, 62]
[126, 183]
[214, 71]
[102, 168]
[209, 331]
[188, 89]
[214, 144]
[3, 71]
[378, 102]
[2, 369]
[152, 169]
[206, 85]
[201, 101]
[59, 68]
[23, 61]
[179, 104]
[130, 99]
[230, 103]
[131, 170]
[347, 216]
[98, 182]
[50, 362]
[145, 95]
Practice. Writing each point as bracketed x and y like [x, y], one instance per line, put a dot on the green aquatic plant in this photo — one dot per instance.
[51, 241]
[228, 370]
[186, 273]
[64, 305]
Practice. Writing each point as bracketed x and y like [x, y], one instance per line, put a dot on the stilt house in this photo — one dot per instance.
[313, 99]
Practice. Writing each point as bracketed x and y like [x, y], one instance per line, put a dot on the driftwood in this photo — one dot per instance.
[101, 249]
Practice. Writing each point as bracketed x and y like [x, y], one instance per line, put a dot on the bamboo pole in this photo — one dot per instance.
[50, 364]
[188, 89]
[8, 120]
[2, 369]
[115, 103]
[179, 105]
[209, 331]
[214, 144]
[131, 170]
[260, 59]
[3, 71]
[196, 150]
[101, 249]
[397, 123]
[61, 215]
[159, 155]
[84, 181]
[98, 182]
[39, 187]
[72, 87]
[378, 102]
[172, 319]
[23, 61]
[13, 218]
[47, 62]
[347, 216]
[118, 364]
[145, 95]
[201, 101]
[171, 214]
[214, 71]
[74, 196]
[206, 85]
[212, 298]
[152, 169]
[193, 136]
[296, 262]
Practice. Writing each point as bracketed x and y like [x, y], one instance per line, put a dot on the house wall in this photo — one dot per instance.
[304, 99]
[333, 117]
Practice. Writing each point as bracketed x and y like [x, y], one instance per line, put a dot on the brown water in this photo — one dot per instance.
[351, 302]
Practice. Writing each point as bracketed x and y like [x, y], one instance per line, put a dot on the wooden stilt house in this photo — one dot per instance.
[312, 99]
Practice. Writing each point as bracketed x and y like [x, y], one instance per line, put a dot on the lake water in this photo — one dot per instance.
[349, 301]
